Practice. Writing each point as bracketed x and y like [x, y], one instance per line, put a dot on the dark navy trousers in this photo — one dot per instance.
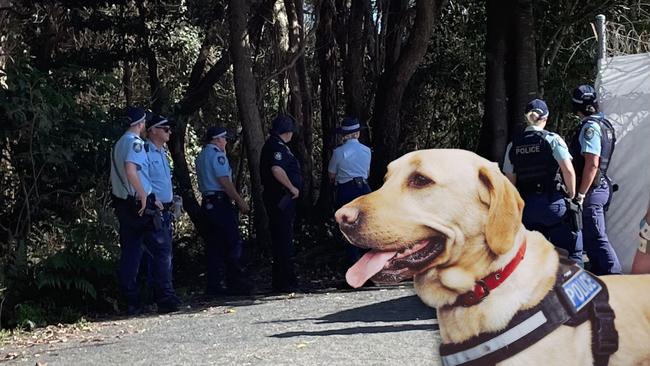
[223, 244]
[602, 257]
[137, 234]
[281, 226]
[346, 193]
[546, 213]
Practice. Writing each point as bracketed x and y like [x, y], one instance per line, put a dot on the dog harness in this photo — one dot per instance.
[576, 297]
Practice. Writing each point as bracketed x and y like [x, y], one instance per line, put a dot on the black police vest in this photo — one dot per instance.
[532, 158]
[607, 144]
[272, 186]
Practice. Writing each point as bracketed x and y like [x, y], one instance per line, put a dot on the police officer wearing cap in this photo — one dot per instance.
[158, 131]
[533, 162]
[592, 147]
[137, 209]
[223, 244]
[348, 169]
[282, 181]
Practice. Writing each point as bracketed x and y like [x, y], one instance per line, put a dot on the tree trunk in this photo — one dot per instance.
[494, 131]
[353, 64]
[526, 65]
[326, 53]
[396, 75]
[245, 91]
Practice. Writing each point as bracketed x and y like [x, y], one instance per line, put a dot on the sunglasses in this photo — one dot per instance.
[164, 128]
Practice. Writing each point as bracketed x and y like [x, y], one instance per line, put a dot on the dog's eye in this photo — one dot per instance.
[419, 181]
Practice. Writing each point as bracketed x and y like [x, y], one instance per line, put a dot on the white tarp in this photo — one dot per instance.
[623, 84]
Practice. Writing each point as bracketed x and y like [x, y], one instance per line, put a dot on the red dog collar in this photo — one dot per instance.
[483, 286]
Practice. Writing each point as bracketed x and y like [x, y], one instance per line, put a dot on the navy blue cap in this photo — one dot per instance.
[214, 132]
[349, 125]
[157, 121]
[282, 123]
[584, 94]
[135, 115]
[538, 106]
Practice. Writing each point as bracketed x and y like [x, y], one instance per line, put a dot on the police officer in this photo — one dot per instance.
[592, 147]
[223, 244]
[282, 181]
[158, 131]
[532, 163]
[641, 262]
[137, 209]
[348, 170]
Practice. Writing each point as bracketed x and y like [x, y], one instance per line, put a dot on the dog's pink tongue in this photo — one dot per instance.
[366, 267]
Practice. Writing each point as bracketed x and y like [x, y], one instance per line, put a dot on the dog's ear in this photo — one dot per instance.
[505, 209]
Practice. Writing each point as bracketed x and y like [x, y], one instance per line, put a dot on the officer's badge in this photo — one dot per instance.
[589, 133]
[277, 156]
[208, 206]
[137, 147]
[221, 160]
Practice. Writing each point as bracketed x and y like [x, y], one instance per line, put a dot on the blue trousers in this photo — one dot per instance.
[223, 244]
[346, 193]
[546, 213]
[281, 227]
[602, 257]
[137, 234]
[147, 257]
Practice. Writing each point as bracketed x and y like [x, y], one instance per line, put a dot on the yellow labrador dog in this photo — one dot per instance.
[447, 219]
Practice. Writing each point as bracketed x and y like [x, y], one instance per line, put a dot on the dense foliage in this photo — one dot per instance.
[68, 68]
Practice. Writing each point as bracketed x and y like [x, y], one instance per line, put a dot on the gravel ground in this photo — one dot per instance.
[371, 326]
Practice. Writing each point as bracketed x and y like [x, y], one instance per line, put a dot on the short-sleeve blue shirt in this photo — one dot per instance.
[350, 160]
[129, 148]
[590, 134]
[558, 147]
[159, 172]
[211, 164]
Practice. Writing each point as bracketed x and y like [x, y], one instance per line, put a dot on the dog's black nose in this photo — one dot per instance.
[347, 216]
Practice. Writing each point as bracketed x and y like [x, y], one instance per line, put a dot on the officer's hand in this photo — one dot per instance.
[143, 205]
[244, 208]
[579, 198]
[294, 192]
[160, 205]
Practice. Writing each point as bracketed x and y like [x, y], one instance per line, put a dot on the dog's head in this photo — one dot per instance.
[444, 217]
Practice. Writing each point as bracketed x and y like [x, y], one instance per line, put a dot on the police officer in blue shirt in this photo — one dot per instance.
[348, 169]
[592, 147]
[282, 181]
[137, 211]
[223, 245]
[158, 131]
[532, 163]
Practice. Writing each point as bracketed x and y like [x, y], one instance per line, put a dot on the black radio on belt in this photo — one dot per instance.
[359, 182]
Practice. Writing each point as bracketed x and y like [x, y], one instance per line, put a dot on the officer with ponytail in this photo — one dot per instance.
[592, 147]
[538, 163]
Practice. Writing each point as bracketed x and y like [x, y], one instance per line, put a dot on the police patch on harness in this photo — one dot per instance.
[221, 160]
[580, 289]
[277, 156]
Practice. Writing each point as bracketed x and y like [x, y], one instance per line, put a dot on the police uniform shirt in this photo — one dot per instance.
[350, 160]
[129, 148]
[276, 153]
[159, 172]
[558, 146]
[211, 164]
[589, 138]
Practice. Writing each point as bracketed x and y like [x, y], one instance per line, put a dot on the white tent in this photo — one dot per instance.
[623, 84]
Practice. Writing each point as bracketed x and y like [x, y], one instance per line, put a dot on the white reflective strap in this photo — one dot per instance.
[502, 340]
[348, 128]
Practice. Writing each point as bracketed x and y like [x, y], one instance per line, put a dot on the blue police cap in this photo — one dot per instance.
[214, 132]
[349, 125]
[538, 106]
[157, 121]
[135, 115]
[282, 123]
[583, 97]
